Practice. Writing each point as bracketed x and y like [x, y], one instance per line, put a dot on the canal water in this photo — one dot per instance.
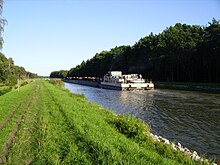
[191, 118]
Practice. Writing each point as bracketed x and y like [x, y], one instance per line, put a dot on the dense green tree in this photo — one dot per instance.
[9, 73]
[181, 53]
[3, 70]
[209, 52]
[58, 74]
[2, 23]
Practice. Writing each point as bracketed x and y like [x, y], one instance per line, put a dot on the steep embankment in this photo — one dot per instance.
[45, 124]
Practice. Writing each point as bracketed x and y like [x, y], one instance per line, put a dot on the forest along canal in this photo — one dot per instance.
[191, 118]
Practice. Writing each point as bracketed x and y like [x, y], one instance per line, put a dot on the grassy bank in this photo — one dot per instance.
[45, 124]
[6, 88]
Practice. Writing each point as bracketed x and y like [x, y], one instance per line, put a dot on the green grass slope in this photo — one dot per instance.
[46, 124]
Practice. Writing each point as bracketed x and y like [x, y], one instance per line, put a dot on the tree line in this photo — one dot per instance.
[9, 72]
[58, 74]
[181, 53]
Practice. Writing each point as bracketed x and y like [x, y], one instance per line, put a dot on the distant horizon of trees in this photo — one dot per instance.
[59, 74]
[9, 72]
[181, 53]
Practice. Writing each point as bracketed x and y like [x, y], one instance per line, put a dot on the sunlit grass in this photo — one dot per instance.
[64, 128]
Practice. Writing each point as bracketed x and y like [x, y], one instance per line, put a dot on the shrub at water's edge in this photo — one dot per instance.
[5, 89]
[139, 132]
[56, 82]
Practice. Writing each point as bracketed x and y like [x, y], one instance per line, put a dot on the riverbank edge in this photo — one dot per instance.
[184, 150]
[62, 89]
[92, 83]
[83, 82]
[177, 147]
[197, 87]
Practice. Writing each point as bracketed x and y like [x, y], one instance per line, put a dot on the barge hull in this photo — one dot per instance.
[109, 85]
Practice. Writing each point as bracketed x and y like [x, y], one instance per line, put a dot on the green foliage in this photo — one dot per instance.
[5, 90]
[102, 62]
[57, 82]
[9, 73]
[2, 23]
[181, 53]
[24, 83]
[130, 126]
[58, 74]
[11, 106]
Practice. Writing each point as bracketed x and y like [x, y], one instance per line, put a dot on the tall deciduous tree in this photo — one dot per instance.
[2, 23]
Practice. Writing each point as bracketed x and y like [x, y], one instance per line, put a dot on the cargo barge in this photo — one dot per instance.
[115, 80]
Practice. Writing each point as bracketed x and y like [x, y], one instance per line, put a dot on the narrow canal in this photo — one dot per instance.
[191, 118]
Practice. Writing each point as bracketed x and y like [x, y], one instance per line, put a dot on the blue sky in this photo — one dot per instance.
[48, 35]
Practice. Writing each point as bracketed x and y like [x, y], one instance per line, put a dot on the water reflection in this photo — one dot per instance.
[191, 118]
